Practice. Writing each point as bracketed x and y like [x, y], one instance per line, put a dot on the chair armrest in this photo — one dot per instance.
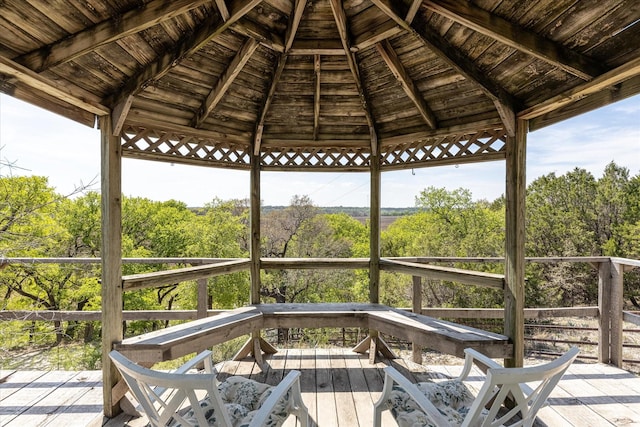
[204, 356]
[472, 356]
[290, 382]
[392, 375]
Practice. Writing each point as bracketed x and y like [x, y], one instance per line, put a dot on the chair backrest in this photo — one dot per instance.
[162, 394]
[509, 385]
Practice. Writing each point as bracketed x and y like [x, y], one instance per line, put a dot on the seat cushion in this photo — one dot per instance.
[242, 398]
[452, 398]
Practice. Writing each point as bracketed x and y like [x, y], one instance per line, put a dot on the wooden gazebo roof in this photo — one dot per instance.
[319, 84]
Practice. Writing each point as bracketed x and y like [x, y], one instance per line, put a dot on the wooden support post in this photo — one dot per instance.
[111, 190]
[604, 308]
[255, 343]
[617, 304]
[416, 350]
[254, 249]
[203, 298]
[514, 242]
[374, 236]
[374, 249]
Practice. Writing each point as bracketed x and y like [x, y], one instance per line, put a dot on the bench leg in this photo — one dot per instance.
[374, 344]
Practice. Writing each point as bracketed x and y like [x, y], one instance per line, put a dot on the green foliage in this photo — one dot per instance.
[570, 215]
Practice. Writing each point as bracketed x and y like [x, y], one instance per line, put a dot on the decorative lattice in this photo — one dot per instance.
[179, 147]
[449, 148]
[352, 158]
[184, 147]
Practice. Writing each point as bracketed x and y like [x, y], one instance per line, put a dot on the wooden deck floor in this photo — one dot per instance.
[338, 386]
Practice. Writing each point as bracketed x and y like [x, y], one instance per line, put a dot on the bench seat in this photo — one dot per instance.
[197, 335]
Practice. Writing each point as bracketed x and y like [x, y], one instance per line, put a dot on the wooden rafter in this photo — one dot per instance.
[611, 78]
[504, 102]
[75, 96]
[522, 39]
[129, 23]
[375, 35]
[413, 10]
[225, 81]
[393, 62]
[267, 38]
[341, 22]
[257, 140]
[222, 9]
[316, 97]
[292, 29]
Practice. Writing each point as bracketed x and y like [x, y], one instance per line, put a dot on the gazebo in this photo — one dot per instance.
[318, 85]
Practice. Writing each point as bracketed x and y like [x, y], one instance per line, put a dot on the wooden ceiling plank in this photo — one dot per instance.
[341, 22]
[515, 36]
[400, 73]
[257, 140]
[225, 81]
[72, 95]
[609, 79]
[295, 19]
[316, 97]
[164, 63]
[85, 41]
[504, 102]
[185, 48]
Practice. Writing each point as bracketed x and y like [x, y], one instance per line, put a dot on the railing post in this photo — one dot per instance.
[203, 298]
[604, 309]
[416, 350]
[617, 303]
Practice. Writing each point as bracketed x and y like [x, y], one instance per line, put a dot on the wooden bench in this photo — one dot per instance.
[440, 335]
[194, 336]
[189, 337]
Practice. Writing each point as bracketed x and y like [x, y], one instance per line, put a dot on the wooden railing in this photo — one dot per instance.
[609, 312]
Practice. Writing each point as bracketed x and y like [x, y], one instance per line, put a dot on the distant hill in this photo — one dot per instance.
[354, 211]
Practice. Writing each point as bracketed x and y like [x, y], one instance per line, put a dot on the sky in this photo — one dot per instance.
[34, 141]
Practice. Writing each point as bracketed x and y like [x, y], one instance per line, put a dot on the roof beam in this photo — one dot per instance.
[316, 97]
[257, 139]
[393, 62]
[292, 29]
[85, 41]
[225, 80]
[504, 102]
[609, 79]
[341, 22]
[413, 10]
[75, 96]
[223, 10]
[515, 36]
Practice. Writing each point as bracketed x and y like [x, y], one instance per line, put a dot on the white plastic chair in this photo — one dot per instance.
[183, 398]
[450, 403]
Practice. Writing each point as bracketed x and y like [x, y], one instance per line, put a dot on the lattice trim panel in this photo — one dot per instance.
[450, 148]
[179, 147]
[352, 158]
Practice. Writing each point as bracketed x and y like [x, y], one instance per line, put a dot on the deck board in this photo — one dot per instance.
[338, 386]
